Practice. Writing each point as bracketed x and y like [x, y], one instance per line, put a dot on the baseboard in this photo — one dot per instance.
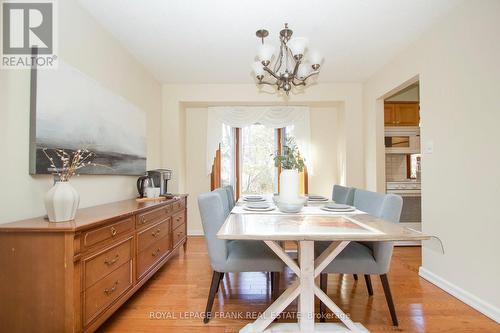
[195, 233]
[485, 308]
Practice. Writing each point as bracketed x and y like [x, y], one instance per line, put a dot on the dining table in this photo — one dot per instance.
[310, 225]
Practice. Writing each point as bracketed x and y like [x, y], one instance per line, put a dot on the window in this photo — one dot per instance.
[258, 174]
[246, 159]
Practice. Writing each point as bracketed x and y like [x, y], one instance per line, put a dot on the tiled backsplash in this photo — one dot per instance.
[395, 167]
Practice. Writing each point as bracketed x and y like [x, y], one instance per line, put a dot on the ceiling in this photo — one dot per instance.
[200, 41]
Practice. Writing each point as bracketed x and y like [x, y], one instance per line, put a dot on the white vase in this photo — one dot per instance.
[289, 185]
[61, 202]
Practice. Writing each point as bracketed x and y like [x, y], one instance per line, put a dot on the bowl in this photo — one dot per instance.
[302, 199]
[290, 207]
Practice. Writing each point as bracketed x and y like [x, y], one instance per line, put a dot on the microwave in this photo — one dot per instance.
[402, 140]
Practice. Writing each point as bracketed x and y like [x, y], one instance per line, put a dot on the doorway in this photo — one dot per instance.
[403, 153]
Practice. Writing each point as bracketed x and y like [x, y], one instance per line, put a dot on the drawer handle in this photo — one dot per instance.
[110, 262]
[155, 233]
[178, 219]
[113, 231]
[143, 220]
[155, 253]
[109, 291]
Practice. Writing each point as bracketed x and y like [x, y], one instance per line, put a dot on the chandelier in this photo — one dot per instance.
[289, 67]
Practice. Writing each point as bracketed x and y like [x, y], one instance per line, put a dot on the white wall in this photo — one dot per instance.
[324, 122]
[197, 181]
[91, 49]
[458, 64]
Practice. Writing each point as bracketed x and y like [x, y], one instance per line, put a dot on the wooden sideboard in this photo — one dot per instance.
[71, 276]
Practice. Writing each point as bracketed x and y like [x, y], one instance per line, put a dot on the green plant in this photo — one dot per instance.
[290, 158]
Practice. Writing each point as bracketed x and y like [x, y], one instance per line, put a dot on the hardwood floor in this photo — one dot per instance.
[175, 298]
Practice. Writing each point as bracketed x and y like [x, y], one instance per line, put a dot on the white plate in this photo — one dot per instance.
[313, 199]
[352, 209]
[254, 200]
[258, 209]
[253, 196]
[337, 206]
[257, 205]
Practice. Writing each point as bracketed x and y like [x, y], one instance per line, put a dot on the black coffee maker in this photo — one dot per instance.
[160, 178]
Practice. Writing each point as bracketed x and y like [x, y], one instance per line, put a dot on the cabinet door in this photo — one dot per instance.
[407, 114]
[389, 115]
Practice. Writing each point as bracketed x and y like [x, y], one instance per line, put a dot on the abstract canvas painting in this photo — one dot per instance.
[70, 110]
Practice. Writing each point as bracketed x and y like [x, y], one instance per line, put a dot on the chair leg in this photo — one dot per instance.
[355, 276]
[368, 281]
[388, 297]
[214, 286]
[275, 284]
[220, 280]
[323, 284]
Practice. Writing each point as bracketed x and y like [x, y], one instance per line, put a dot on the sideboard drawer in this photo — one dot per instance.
[153, 216]
[150, 235]
[106, 261]
[108, 232]
[104, 292]
[178, 205]
[178, 235]
[150, 256]
[178, 219]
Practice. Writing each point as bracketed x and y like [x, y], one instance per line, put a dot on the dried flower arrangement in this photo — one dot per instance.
[70, 162]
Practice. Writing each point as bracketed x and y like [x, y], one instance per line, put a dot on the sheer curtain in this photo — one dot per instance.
[269, 116]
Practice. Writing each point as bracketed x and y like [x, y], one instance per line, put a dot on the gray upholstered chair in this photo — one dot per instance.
[222, 192]
[343, 195]
[368, 258]
[233, 256]
[230, 196]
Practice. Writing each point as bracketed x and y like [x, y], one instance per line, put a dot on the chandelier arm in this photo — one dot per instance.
[296, 68]
[300, 83]
[278, 63]
[272, 73]
[267, 83]
[309, 75]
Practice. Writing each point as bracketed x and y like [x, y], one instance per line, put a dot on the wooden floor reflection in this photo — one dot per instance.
[174, 299]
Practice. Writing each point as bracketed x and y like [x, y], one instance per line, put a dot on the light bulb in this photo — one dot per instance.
[303, 71]
[315, 58]
[265, 54]
[258, 69]
[298, 46]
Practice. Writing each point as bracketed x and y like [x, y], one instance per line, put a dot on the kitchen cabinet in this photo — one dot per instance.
[401, 113]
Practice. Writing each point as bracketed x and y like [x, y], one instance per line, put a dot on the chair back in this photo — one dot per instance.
[387, 207]
[222, 192]
[230, 196]
[343, 195]
[384, 206]
[212, 217]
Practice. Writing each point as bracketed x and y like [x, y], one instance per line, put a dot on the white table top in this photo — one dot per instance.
[357, 227]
